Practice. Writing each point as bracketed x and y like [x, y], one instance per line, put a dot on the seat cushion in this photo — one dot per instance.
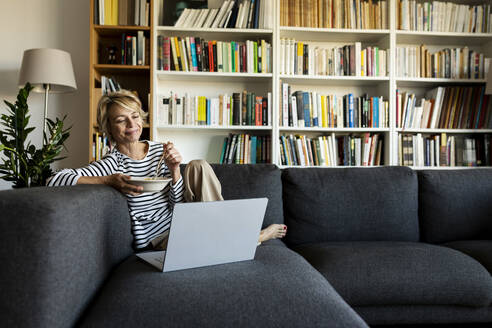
[455, 205]
[350, 204]
[253, 181]
[400, 273]
[480, 250]
[278, 289]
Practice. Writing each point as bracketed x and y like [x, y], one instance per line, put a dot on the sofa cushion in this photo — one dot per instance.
[350, 204]
[455, 205]
[253, 181]
[278, 289]
[400, 273]
[480, 250]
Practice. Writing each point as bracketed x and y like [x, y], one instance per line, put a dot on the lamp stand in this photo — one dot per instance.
[46, 91]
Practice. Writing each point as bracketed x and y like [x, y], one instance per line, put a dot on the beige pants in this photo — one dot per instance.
[201, 185]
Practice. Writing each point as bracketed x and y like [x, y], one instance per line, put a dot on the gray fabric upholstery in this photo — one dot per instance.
[405, 273]
[278, 289]
[376, 204]
[57, 247]
[480, 250]
[425, 314]
[455, 205]
[253, 181]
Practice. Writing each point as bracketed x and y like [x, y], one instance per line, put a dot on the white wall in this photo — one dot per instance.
[61, 24]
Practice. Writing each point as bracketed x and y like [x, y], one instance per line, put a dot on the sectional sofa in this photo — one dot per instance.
[376, 246]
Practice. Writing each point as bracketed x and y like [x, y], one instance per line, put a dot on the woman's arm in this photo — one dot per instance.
[99, 172]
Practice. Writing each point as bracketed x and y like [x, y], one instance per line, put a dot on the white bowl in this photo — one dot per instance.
[150, 184]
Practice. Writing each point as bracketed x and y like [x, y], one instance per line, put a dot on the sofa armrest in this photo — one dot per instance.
[57, 247]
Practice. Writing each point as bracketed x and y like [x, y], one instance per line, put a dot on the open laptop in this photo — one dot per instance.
[210, 233]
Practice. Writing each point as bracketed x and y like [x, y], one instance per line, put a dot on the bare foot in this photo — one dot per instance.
[273, 231]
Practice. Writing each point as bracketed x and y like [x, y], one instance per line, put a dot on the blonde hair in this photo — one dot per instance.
[123, 98]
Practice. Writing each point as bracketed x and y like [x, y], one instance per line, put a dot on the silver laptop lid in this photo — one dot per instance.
[212, 233]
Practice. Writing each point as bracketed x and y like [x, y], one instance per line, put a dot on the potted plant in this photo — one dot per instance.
[23, 164]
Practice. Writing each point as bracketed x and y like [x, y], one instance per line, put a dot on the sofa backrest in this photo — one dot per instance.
[253, 181]
[455, 205]
[350, 204]
[57, 247]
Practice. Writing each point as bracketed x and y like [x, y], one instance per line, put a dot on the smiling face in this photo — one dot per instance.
[125, 125]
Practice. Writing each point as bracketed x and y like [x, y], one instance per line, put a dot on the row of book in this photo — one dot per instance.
[231, 14]
[443, 150]
[245, 108]
[353, 14]
[134, 50]
[449, 63]
[121, 12]
[439, 16]
[100, 146]
[300, 58]
[347, 150]
[109, 84]
[246, 149]
[455, 107]
[311, 109]
[192, 54]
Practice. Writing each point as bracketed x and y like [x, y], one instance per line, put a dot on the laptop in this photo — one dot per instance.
[210, 233]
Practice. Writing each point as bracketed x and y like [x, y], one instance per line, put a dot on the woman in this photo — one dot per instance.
[120, 118]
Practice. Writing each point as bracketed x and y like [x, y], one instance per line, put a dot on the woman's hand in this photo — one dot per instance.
[172, 158]
[120, 182]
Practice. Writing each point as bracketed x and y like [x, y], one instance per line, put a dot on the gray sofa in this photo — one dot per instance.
[378, 246]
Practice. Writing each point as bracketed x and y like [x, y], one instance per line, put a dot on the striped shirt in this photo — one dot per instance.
[150, 212]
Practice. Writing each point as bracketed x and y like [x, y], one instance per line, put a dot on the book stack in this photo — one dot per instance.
[439, 16]
[448, 63]
[100, 146]
[134, 49]
[353, 14]
[300, 58]
[192, 54]
[443, 150]
[121, 12]
[232, 14]
[109, 84]
[454, 107]
[245, 108]
[364, 150]
[311, 109]
[245, 149]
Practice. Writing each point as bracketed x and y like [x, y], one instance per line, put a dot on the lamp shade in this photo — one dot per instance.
[47, 66]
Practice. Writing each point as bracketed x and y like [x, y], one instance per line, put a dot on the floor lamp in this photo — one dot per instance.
[47, 70]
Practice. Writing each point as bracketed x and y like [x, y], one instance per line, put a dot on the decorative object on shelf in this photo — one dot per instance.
[23, 164]
[47, 70]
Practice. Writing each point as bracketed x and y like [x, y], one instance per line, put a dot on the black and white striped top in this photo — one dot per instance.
[150, 212]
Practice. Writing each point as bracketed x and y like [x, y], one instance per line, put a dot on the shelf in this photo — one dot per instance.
[210, 127]
[333, 34]
[113, 68]
[207, 76]
[333, 80]
[442, 38]
[317, 129]
[448, 167]
[215, 33]
[116, 30]
[429, 82]
[326, 167]
[451, 131]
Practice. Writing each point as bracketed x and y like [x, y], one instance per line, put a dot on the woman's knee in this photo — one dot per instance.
[198, 163]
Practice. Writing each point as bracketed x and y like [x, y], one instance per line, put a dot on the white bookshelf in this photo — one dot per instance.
[206, 141]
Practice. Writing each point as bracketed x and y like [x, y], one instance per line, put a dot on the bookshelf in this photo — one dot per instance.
[206, 141]
[133, 77]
